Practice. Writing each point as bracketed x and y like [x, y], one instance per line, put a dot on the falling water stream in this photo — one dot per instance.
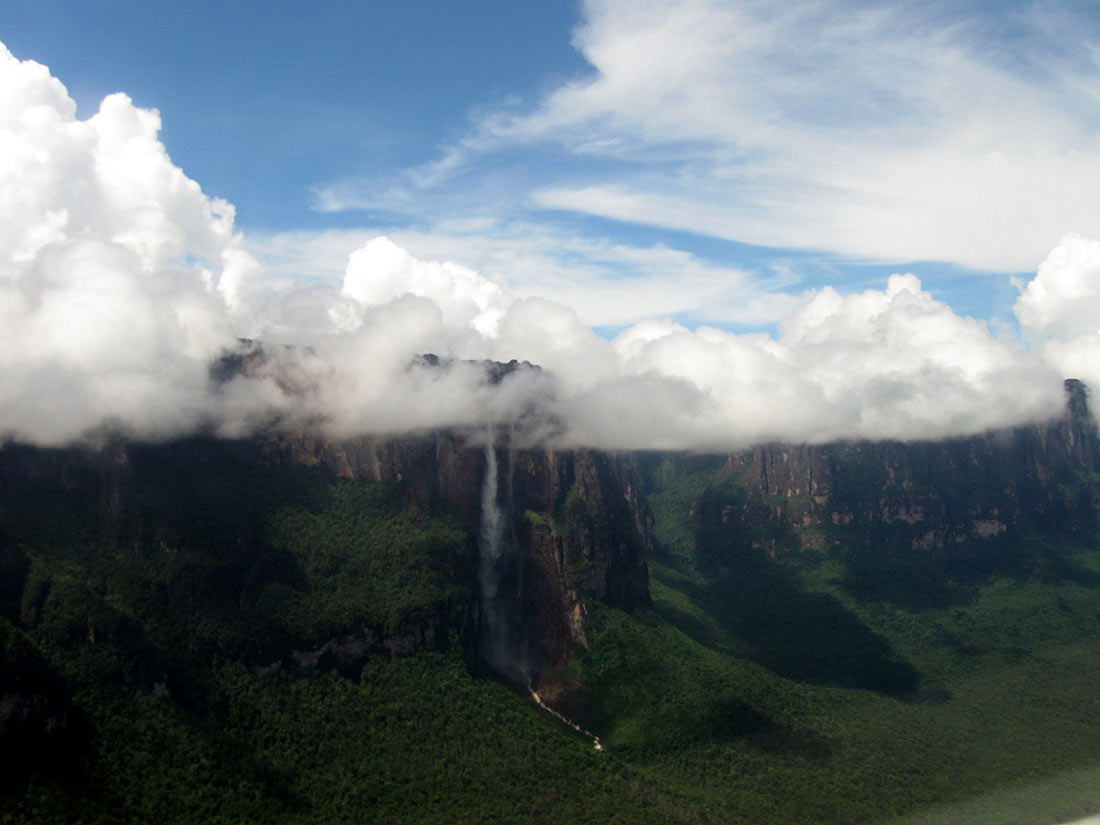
[596, 743]
[500, 575]
[500, 579]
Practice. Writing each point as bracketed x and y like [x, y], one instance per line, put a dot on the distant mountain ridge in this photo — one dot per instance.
[919, 496]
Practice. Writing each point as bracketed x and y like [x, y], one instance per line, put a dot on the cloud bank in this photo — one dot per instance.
[121, 284]
[118, 277]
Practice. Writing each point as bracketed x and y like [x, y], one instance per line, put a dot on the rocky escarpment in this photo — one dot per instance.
[580, 520]
[202, 546]
[581, 543]
[579, 517]
[202, 501]
[921, 496]
[572, 514]
[434, 466]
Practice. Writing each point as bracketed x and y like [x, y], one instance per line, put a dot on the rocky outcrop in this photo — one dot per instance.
[347, 653]
[575, 521]
[434, 466]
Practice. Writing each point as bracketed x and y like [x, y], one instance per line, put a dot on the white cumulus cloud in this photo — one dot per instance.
[118, 276]
[1059, 309]
[381, 271]
[121, 283]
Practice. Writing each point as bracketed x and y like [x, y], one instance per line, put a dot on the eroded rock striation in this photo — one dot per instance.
[921, 496]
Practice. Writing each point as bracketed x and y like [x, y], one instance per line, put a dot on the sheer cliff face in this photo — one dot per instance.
[919, 496]
[581, 543]
[435, 466]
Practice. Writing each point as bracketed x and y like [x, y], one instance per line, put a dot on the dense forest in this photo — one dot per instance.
[242, 640]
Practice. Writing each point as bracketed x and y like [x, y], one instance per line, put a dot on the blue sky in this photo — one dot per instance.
[726, 156]
[262, 101]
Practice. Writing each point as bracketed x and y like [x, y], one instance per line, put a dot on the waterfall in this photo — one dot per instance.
[500, 582]
[500, 575]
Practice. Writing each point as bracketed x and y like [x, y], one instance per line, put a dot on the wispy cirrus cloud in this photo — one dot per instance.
[888, 131]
